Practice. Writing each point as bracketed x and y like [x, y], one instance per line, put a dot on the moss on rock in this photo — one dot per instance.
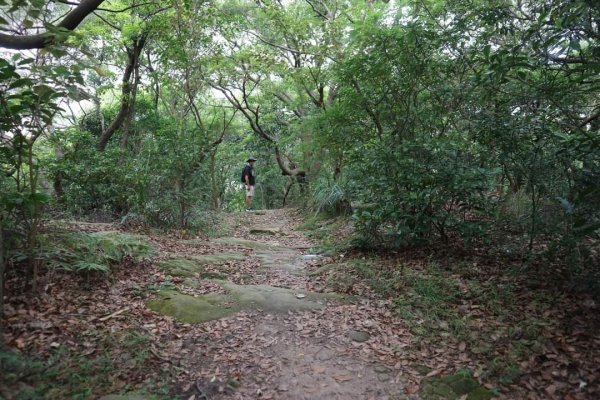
[233, 241]
[197, 309]
[126, 396]
[192, 309]
[265, 230]
[193, 265]
[453, 387]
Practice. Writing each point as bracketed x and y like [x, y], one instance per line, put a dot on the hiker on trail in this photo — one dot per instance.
[249, 180]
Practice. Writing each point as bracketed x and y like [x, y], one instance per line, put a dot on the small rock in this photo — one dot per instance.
[455, 386]
[324, 355]
[127, 396]
[359, 336]
[421, 369]
[380, 369]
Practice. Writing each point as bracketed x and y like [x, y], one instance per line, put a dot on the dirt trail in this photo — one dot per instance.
[338, 350]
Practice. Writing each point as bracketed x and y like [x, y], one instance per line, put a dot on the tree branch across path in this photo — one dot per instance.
[39, 41]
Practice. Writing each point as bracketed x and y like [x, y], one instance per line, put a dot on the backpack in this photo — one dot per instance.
[243, 170]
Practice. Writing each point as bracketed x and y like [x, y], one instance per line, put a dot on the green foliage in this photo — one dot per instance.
[326, 229]
[417, 190]
[87, 253]
[433, 121]
[67, 374]
[329, 197]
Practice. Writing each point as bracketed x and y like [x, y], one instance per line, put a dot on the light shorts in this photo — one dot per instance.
[250, 191]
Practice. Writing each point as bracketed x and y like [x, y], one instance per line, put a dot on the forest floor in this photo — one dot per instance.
[255, 313]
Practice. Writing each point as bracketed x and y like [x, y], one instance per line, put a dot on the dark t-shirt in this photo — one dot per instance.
[248, 170]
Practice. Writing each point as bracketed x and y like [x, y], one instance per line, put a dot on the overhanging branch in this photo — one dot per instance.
[39, 41]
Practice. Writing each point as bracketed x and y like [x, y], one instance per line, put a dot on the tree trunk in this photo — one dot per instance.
[2, 269]
[127, 92]
[57, 184]
[131, 111]
[180, 190]
[213, 182]
[35, 217]
[286, 192]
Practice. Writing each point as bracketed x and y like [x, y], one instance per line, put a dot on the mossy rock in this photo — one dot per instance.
[198, 309]
[453, 387]
[324, 269]
[274, 299]
[126, 396]
[248, 244]
[193, 265]
[421, 369]
[192, 309]
[233, 241]
[213, 275]
[359, 336]
[189, 282]
[265, 230]
[285, 259]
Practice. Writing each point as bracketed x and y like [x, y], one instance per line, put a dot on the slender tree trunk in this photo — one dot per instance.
[131, 111]
[2, 269]
[533, 217]
[127, 92]
[213, 182]
[286, 192]
[33, 228]
[182, 203]
[99, 111]
[58, 187]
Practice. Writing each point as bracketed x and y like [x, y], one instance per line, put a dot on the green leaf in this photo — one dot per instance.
[486, 51]
[40, 197]
[20, 82]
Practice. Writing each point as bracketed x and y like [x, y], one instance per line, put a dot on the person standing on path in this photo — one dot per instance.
[249, 180]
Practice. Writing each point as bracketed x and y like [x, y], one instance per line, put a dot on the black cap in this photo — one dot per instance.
[251, 159]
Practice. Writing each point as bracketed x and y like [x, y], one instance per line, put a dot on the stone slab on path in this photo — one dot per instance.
[283, 259]
[198, 309]
[233, 241]
[266, 230]
[192, 265]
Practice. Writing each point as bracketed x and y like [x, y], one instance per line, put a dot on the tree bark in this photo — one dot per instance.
[374, 114]
[128, 92]
[213, 181]
[131, 111]
[253, 118]
[2, 268]
[285, 167]
[58, 186]
[39, 41]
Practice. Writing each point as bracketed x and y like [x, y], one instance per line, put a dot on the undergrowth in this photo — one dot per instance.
[86, 253]
[325, 229]
[118, 364]
[445, 302]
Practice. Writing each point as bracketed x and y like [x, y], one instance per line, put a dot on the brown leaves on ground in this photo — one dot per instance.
[531, 343]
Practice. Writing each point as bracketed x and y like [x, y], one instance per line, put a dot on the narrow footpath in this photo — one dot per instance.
[260, 327]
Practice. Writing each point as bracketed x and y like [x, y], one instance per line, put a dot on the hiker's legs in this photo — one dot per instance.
[249, 195]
